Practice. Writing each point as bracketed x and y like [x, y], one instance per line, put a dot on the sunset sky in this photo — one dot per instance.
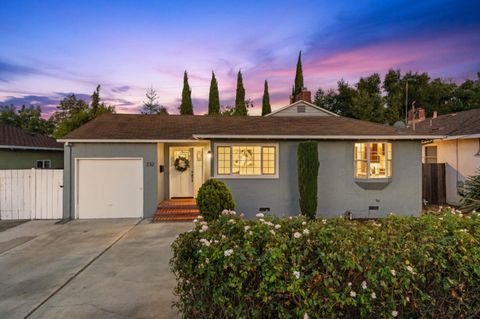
[52, 48]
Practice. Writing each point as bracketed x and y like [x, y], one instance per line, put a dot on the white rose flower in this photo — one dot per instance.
[228, 252]
[231, 221]
[260, 215]
[277, 226]
[272, 231]
[394, 313]
[306, 231]
[205, 242]
[296, 274]
[349, 284]
[203, 229]
[297, 235]
[373, 295]
[304, 223]
[195, 220]
[393, 272]
[353, 294]
[364, 285]
[246, 228]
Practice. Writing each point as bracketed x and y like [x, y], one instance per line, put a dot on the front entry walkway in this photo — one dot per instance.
[176, 210]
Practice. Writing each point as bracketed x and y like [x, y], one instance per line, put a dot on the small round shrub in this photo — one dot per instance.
[212, 198]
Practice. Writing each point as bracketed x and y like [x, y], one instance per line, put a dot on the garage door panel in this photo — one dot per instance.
[110, 188]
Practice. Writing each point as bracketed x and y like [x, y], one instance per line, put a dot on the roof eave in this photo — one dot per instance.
[19, 147]
[319, 137]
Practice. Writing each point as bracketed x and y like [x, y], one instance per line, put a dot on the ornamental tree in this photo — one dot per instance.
[240, 106]
[299, 75]
[266, 108]
[307, 166]
[214, 97]
[186, 106]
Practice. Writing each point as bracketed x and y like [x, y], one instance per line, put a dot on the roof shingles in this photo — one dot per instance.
[17, 137]
[460, 123]
[181, 127]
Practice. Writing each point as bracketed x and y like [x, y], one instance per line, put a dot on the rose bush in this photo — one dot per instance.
[285, 268]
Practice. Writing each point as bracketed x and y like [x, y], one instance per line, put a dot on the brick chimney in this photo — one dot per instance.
[305, 95]
[419, 116]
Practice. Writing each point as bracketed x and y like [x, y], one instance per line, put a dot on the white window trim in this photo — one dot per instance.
[231, 176]
[43, 164]
[426, 157]
[368, 178]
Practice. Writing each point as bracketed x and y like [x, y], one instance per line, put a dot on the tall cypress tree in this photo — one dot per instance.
[96, 99]
[299, 75]
[186, 107]
[240, 107]
[214, 97]
[266, 109]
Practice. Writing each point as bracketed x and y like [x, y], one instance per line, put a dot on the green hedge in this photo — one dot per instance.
[286, 268]
[307, 167]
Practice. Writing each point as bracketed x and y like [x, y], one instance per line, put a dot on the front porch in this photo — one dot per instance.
[184, 209]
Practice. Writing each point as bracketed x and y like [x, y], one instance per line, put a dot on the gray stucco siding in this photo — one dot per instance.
[338, 191]
[148, 152]
[279, 194]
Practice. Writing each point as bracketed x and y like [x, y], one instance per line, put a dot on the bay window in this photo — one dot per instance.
[373, 160]
[246, 160]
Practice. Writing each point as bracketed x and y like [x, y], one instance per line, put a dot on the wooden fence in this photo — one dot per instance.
[31, 194]
[434, 184]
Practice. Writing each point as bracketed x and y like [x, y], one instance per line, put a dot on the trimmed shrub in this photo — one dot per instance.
[213, 197]
[471, 197]
[307, 162]
[425, 267]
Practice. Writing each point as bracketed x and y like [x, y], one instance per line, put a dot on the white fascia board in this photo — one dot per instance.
[320, 137]
[461, 137]
[30, 148]
[122, 141]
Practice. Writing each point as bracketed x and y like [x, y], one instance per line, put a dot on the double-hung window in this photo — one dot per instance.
[44, 164]
[373, 160]
[238, 160]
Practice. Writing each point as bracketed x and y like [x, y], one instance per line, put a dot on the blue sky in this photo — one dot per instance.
[52, 48]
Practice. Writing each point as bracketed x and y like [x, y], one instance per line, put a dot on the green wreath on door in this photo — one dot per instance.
[181, 164]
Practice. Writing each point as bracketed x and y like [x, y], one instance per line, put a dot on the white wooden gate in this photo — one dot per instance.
[31, 194]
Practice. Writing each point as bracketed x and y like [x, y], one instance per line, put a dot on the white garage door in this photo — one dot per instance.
[109, 188]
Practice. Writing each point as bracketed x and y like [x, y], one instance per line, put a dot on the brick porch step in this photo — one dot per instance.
[176, 210]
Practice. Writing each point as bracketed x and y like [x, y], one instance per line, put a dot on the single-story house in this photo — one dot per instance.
[23, 150]
[123, 165]
[459, 148]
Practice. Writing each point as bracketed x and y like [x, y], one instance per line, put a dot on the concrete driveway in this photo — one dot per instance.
[88, 269]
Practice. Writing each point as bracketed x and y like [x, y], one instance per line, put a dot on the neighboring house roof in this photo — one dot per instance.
[452, 124]
[305, 103]
[136, 127]
[15, 137]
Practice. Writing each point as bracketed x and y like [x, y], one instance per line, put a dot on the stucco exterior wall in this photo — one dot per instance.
[26, 159]
[461, 160]
[338, 192]
[103, 150]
